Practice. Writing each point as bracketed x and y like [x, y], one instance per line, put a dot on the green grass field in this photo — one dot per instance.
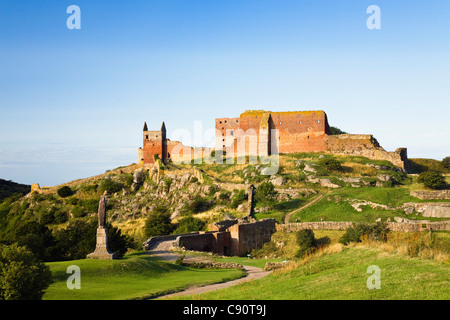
[136, 276]
[343, 275]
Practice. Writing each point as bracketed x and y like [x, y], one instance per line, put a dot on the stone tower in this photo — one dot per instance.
[155, 144]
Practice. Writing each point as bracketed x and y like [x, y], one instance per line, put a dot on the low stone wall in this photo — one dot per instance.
[432, 195]
[147, 245]
[322, 225]
[197, 242]
[214, 265]
[419, 226]
[411, 226]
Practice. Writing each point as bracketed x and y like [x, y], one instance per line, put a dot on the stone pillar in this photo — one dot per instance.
[101, 249]
[250, 191]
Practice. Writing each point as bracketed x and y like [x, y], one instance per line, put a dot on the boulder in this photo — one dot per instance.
[277, 180]
[138, 177]
[327, 183]
[409, 210]
[309, 168]
[384, 177]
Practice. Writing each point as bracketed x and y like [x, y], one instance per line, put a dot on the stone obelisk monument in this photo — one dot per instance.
[101, 249]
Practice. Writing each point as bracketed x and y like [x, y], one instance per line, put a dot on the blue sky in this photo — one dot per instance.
[73, 102]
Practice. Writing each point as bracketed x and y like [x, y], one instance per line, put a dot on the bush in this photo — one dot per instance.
[237, 199]
[180, 260]
[306, 241]
[197, 205]
[336, 131]
[330, 163]
[265, 192]
[378, 232]
[111, 186]
[65, 192]
[432, 179]
[22, 276]
[91, 205]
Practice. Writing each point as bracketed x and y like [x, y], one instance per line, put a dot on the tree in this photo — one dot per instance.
[158, 224]
[77, 240]
[189, 224]
[446, 162]
[22, 276]
[432, 179]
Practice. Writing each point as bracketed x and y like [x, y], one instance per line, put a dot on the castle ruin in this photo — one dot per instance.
[264, 133]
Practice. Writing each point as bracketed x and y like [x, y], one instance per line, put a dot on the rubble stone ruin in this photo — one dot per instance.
[101, 248]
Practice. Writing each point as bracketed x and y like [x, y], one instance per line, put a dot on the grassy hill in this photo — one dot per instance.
[420, 165]
[136, 276]
[9, 188]
[211, 192]
[341, 273]
[221, 192]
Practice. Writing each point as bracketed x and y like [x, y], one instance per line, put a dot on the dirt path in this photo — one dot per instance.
[162, 251]
[288, 216]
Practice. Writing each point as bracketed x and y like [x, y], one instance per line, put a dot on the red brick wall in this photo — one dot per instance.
[302, 131]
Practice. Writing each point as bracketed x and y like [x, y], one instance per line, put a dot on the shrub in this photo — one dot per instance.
[330, 163]
[336, 131]
[237, 199]
[306, 241]
[265, 192]
[198, 204]
[179, 260]
[432, 179]
[111, 186]
[61, 217]
[378, 232]
[22, 276]
[91, 205]
[65, 192]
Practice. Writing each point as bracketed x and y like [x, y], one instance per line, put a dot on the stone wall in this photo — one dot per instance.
[432, 195]
[365, 145]
[248, 236]
[197, 242]
[322, 225]
[298, 131]
[410, 226]
[154, 240]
